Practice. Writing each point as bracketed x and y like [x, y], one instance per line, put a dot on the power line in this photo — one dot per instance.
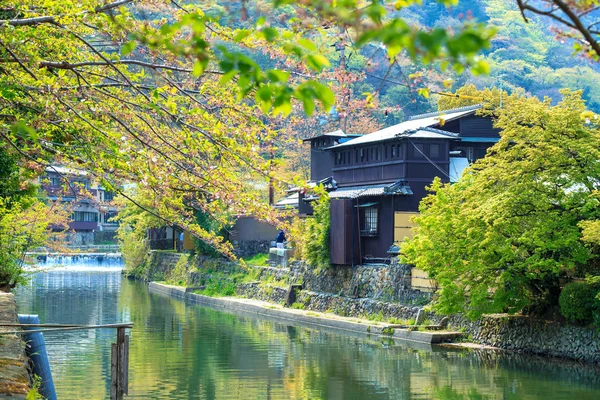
[428, 159]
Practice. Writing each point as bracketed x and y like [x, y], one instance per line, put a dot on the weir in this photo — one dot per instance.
[83, 260]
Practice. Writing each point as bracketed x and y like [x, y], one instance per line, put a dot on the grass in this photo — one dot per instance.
[218, 289]
[259, 259]
[298, 306]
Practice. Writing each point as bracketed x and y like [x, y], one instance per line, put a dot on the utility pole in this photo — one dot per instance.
[271, 188]
[340, 46]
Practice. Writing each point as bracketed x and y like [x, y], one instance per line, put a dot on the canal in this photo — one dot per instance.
[183, 351]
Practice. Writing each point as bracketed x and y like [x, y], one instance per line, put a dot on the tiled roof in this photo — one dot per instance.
[412, 125]
[438, 113]
[354, 192]
[289, 201]
[336, 134]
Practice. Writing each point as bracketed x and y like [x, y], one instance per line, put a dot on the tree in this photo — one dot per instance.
[576, 21]
[25, 221]
[499, 239]
[164, 96]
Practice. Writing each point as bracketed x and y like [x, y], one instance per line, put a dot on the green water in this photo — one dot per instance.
[181, 351]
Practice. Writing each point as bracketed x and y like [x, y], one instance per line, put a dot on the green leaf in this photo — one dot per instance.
[240, 35]
[270, 34]
[228, 76]
[128, 47]
[307, 44]
[317, 62]
[198, 68]
[277, 75]
[481, 68]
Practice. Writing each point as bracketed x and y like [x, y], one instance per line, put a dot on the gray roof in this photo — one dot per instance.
[289, 201]
[409, 127]
[336, 134]
[438, 113]
[354, 192]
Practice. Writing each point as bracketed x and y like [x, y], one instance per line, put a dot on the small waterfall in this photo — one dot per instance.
[80, 261]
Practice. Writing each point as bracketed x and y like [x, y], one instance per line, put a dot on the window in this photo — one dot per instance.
[55, 181]
[108, 215]
[85, 216]
[81, 183]
[419, 150]
[399, 151]
[109, 196]
[339, 158]
[434, 150]
[362, 154]
[369, 221]
[393, 151]
[377, 154]
[385, 151]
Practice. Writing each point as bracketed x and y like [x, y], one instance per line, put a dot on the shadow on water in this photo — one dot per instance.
[181, 351]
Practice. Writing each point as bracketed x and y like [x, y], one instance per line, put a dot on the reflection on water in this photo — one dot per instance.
[181, 351]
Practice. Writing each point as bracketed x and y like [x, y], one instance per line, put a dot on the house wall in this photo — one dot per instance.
[249, 228]
[344, 241]
[369, 165]
[477, 126]
[321, 161]
[377, 246]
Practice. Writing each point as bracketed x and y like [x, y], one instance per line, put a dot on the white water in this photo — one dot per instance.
[81, 262]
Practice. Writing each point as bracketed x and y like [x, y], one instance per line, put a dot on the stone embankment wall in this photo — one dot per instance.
[14, 378]
[389, 283]
[533, 336]
[383, 292]
[248, 248]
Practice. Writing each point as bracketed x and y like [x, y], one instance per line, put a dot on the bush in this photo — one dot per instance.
[578, 302]
[317, 232]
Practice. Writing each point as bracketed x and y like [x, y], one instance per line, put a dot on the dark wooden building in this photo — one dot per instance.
[377, 180]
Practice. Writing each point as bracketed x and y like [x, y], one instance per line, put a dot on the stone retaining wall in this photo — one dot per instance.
[247, 248]
[533, 336]
[14, 377]
[390, 283]
[272, 294]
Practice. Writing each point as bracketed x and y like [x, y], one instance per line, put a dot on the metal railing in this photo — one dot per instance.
[119, 360]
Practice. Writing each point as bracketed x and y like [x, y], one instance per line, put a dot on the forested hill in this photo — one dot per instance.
[523, 55]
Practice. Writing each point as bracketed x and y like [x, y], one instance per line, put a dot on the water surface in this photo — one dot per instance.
[181, 351]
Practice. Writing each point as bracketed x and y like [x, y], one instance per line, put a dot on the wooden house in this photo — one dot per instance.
[377, 180]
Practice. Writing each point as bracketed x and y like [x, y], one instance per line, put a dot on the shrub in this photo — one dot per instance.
[578, 302]
[317, 232]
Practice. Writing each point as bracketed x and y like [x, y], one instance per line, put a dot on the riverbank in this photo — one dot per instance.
[374, 293]
[264, 308]
[14, 376]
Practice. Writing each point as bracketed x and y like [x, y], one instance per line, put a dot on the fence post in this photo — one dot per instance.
[119, 366]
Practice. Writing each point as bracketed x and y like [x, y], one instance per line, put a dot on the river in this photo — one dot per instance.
[183, 351]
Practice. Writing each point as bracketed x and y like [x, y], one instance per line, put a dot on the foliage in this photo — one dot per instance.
[132, 232]
[218, 288]
[257, 259]
[578, 302]
[213, 226]
[317, 234]
[498, 240]
[25, 222]
[21, 230]
[576, 22]
[186, 101]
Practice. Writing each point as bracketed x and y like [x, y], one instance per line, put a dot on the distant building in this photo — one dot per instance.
[376, 181]
[92, 205]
